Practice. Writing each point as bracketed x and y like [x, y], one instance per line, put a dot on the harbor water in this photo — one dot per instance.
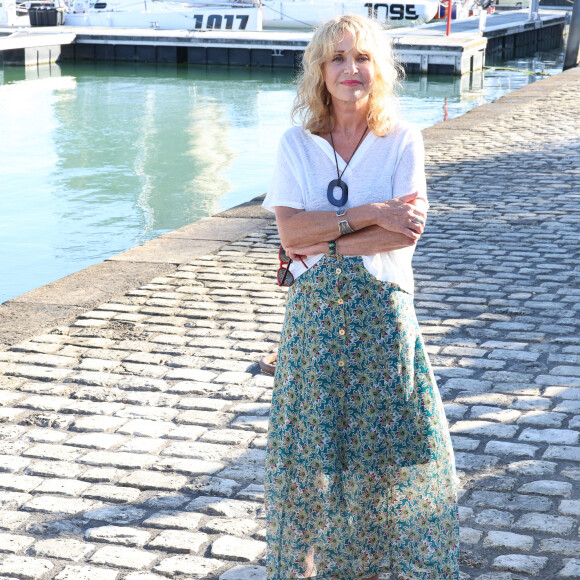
[96, 158]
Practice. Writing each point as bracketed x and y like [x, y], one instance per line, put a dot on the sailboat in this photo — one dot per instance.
[166, 14]
[304, 14]
[226, 15]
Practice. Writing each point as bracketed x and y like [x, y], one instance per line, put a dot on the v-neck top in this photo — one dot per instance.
[380, 169]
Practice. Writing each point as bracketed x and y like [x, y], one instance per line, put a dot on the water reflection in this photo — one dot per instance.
[140, 141]
[100, 158]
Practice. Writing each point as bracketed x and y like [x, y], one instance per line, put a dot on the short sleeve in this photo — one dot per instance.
[409, 175]
[285, 189]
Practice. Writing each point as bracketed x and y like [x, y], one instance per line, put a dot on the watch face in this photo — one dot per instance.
[344, 228]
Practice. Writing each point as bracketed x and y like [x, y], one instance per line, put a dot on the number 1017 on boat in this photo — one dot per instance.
[238, 15]
[165, 14]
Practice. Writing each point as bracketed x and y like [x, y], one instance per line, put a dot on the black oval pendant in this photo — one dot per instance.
[330, 192]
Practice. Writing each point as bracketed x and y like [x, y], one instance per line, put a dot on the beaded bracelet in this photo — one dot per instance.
[332, 248]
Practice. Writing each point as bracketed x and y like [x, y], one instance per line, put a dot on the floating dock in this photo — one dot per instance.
[511, 34]
[24, 49]
[422, 49]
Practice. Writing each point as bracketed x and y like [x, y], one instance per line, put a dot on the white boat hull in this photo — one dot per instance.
[167, 16]
[302, 14]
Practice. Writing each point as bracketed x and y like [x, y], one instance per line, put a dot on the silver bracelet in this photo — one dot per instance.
[345, 228]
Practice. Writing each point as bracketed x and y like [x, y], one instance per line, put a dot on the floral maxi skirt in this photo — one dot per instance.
[360, 473]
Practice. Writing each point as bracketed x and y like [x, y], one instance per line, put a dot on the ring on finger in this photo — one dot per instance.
[417, 220]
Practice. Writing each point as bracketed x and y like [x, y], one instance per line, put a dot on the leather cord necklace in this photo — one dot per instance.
[338, 182]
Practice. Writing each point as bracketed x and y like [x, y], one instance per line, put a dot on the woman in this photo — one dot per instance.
[360, 472]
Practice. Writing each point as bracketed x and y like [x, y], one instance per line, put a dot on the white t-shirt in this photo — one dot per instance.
[381, 168]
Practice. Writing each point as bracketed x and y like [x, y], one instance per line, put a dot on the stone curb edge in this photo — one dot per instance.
[61, 301]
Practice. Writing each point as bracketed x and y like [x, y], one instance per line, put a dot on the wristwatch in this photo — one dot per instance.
[343, 226]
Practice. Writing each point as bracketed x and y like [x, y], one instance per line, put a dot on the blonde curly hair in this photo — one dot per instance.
[312, 102]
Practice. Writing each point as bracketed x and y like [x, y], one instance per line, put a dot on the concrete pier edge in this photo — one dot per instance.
[61, 301]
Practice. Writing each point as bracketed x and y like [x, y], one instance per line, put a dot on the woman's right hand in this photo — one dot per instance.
[402, 216]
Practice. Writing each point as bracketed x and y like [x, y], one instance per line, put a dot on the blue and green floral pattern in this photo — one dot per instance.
[360, 473]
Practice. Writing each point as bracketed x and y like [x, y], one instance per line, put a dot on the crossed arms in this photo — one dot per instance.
[379, 227]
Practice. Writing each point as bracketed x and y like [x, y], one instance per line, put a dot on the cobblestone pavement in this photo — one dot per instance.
[132, 440]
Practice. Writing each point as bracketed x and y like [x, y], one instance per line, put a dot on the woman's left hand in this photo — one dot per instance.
[418, 219]
[402, 215]
[421, 205]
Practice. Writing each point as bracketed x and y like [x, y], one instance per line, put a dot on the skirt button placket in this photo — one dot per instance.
[342, 331]
[340, 301]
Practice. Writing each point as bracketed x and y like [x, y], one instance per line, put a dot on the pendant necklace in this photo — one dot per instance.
[338, 182]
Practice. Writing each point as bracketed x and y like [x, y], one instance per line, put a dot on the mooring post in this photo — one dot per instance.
[572, 56]
[449, 11]
[482, 20]
[533, 11]
[7, 12]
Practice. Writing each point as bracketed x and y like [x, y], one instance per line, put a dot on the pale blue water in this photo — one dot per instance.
[97, 158]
